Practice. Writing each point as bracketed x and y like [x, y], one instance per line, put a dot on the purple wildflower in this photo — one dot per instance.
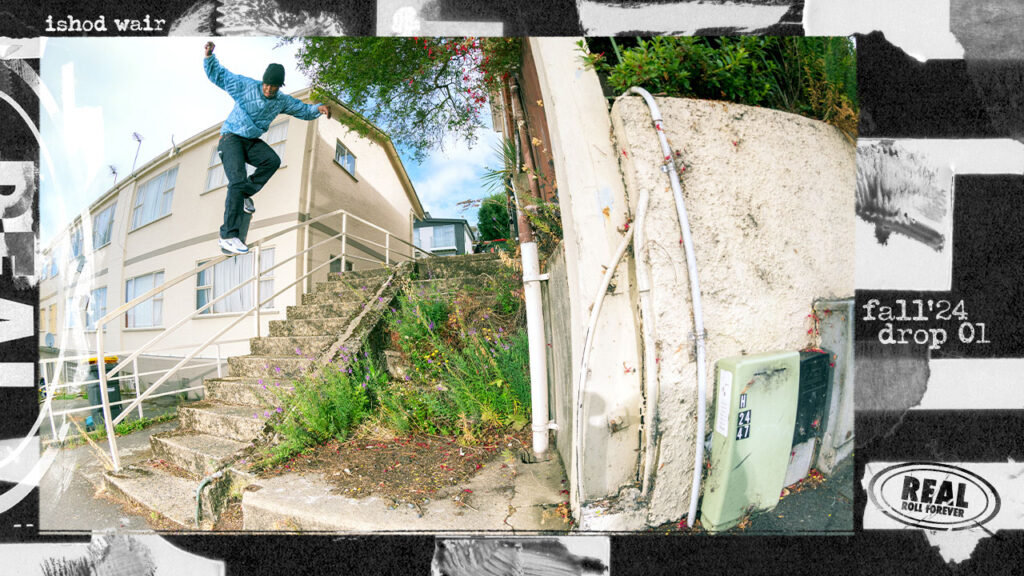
[266, 414]
[279, 410]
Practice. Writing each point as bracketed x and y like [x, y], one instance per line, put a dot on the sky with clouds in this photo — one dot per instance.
[101, 90]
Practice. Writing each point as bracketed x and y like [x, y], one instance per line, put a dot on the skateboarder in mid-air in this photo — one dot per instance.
[256, 105]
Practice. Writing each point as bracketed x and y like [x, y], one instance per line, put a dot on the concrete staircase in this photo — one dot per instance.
[214, 434]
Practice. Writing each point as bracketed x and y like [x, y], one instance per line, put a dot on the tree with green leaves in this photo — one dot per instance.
[420, 91]
[492, 218]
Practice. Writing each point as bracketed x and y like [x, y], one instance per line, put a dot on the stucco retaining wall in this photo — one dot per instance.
[770, 200]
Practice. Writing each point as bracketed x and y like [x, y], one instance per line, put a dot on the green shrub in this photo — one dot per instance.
[814, 77]
[323, 408]
[469, 369]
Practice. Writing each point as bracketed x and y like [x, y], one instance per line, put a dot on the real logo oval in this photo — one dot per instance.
[934, 496]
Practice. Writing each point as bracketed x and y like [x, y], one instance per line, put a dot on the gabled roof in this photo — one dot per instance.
[337, 107]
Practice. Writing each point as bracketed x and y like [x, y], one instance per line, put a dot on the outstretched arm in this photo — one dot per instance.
[303, 111]
[219, 75]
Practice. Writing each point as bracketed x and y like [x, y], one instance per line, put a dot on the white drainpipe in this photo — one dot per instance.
[538, 347]
[698, 314]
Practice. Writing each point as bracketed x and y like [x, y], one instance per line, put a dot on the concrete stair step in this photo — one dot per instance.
[241, 423]
[328, 297]
[284, 345]
[369, 273]
[281, 367]
[449, 284]
[163, 492]
[310, 327]
[245, 391]
[324, 308]
[354, 287]
[467, 265]
[198, 453]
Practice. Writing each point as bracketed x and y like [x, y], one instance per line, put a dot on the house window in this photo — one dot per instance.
[150, 312]
[52, 328]
[275, 137]
[96, 308]
[444, 237]
[153, 199]
[102, 225]
[267, 281]
[42, 318]
[345, 158]
[76, 243]
[226, 276]
[72, 314]
[54, 264]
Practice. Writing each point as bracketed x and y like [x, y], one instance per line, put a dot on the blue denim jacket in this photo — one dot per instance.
[253, 112]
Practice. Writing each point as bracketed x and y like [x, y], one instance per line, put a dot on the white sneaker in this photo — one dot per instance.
[233, 245]
[248, 205]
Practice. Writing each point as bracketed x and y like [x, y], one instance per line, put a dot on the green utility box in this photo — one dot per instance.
[753, 418]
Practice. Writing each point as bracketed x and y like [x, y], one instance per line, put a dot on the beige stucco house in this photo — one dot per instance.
[162, 221]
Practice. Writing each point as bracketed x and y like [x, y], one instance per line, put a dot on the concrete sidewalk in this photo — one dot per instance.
[68, 490]
[520, 497]
[824, 509]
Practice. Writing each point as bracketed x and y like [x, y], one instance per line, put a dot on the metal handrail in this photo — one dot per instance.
[256, 277]
[131, 357]
[89, 356]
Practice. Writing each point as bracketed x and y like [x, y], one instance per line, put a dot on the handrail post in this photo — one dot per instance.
[387, 248]
[219, 373]
[257, 272]
[108, 422]
[138, 391]
[344, 240]
[49, 396]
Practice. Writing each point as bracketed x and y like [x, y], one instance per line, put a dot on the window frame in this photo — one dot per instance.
[90, 317]
[338, 147]
[96, 243]
[164, 192]
[434, 237]
[279, 146]
[158, 298]
[208, 288]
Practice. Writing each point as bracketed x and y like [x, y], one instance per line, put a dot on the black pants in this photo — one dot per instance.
[235, 152]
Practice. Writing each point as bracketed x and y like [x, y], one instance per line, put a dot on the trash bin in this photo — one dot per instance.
[93, 390]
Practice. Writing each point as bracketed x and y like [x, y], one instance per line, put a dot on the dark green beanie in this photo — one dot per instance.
[274, 75]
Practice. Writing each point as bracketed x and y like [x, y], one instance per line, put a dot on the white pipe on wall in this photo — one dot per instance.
[698, 314]
[537, 347]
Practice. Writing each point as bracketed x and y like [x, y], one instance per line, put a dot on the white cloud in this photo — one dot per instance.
[455, 175]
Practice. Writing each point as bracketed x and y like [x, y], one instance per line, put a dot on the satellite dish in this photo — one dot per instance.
[49, 339]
